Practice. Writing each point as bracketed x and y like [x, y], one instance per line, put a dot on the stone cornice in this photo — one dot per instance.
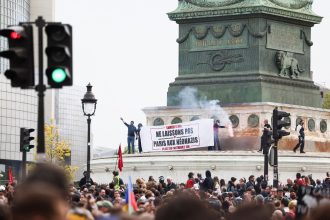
[251, 105]
[223, 79]
[197, 12]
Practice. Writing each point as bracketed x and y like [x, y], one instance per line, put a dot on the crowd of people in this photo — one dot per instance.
[47, 194]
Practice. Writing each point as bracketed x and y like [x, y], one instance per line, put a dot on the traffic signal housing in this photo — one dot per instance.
[59, 55]
[278, 123]
[20, 55]
[25, 139]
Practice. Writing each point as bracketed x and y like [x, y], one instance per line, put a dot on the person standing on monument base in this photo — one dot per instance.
[266, 137]
[130, 135]
[138, 137]
[216, 127]
[301, 137]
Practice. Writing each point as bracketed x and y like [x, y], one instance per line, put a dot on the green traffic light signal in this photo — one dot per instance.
[58, 75]
[59, 55]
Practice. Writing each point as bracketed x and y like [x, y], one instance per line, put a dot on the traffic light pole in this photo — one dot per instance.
[41, 88]
[23, 165]
[266, 166]
[275, 180]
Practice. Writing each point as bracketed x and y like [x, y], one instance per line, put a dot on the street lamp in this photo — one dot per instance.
[89, 107]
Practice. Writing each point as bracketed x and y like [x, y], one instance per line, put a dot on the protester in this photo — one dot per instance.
[131, 131]
[191, 180]
[50, 196]
[170, 184]
[5, 213]
[138, 137]
[266, 137]
[83, 181]
[117, 181]
[216, 127]
[208, 182]
[43, 195]
[301, 137]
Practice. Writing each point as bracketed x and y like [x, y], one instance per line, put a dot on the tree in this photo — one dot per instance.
[326, 101]
[57, 150]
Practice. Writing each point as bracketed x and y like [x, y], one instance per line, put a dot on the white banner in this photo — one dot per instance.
[188, 135]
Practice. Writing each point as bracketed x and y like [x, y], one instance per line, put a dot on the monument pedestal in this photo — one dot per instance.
[224, 164]
[247, 122]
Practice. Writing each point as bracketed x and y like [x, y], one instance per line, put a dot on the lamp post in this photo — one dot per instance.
[89, 107]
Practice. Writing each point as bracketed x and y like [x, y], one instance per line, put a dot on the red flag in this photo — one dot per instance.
[10, 176]
[120, 159]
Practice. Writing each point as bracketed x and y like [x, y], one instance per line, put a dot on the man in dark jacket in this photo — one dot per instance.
[83, 181]
[266, 137]
[170, 185]
[301, 137]
[208, 182]
[130, 135]
[251, 183]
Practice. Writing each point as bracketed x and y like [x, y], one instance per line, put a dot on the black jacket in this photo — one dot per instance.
[207, 184]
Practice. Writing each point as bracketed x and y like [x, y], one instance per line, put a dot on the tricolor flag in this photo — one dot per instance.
[131, 205]
[120, 159]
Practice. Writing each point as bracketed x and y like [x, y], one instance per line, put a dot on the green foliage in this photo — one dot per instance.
[326, 101]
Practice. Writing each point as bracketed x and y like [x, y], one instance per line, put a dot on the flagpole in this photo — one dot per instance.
[117, 158]
[116, 161]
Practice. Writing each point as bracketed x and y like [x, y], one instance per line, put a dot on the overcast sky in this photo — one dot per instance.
[127, 50]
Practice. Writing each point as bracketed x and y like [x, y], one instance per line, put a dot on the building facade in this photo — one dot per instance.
[72, 124]
[18, 108]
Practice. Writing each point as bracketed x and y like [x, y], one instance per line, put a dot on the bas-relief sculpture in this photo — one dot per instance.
[218, 61]
[287, 64]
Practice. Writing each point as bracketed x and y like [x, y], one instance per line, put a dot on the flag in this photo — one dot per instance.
[10, 176]
[131, 205]
[120, 159]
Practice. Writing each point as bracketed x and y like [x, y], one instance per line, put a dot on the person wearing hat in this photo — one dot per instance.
[131, 131]
[104, 207]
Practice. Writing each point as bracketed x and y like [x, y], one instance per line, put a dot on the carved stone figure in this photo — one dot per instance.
[287, 64]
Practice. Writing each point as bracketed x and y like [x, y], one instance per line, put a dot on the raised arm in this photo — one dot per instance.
[123, 121]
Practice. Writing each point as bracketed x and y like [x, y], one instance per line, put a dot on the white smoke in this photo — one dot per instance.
[188, 97]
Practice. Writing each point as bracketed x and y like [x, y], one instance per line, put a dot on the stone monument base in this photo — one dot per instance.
[223, 164]
[247, 122]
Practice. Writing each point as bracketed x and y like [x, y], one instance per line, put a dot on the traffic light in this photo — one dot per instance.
[25, 139]
[20, 55]
[278, 124]
[59, 55]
